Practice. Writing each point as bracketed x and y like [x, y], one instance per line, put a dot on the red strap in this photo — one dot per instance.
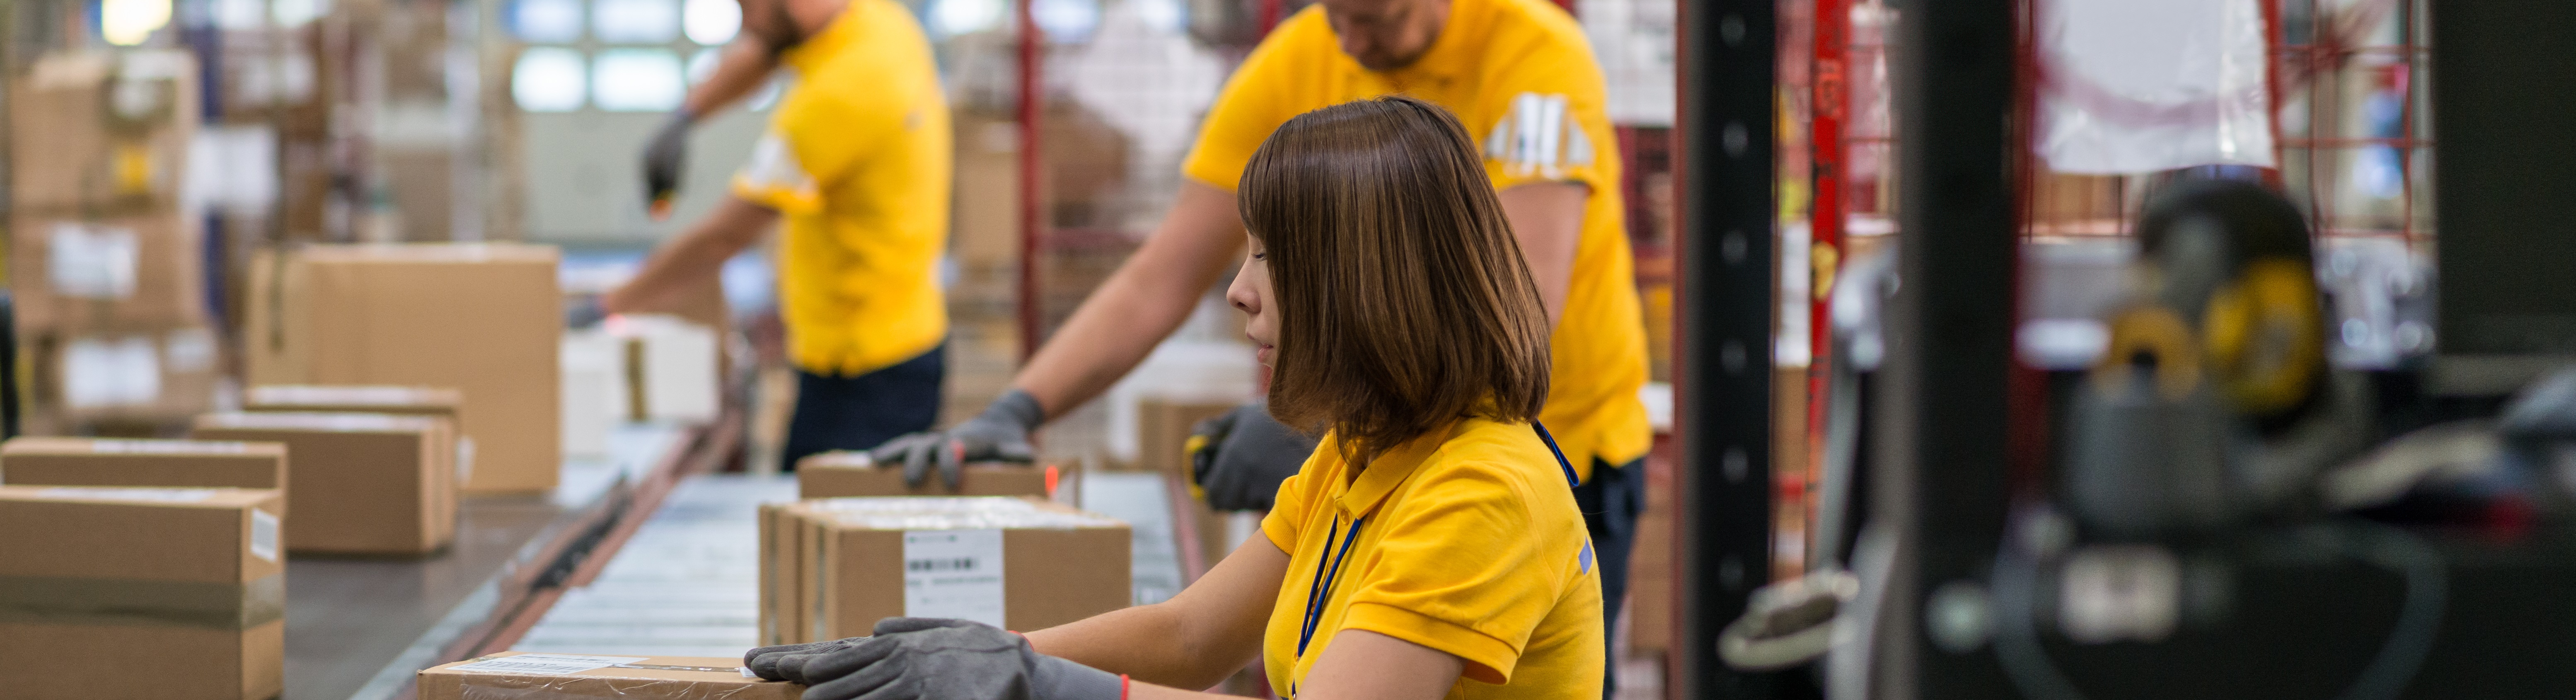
[1123, 684]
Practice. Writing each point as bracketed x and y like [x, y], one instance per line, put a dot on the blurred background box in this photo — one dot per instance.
[72, 272]
[186, 580]
[851, 474]
[101, 132]
[146, 378]
[485, 319]
[364, 483]
[60, 461]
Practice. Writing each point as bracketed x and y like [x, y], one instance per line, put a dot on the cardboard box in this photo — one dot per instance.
[188, 578]
[74, 150]
[144, 375]
[515, 674]
[1163, 428]
[485, 319]
[444, 404]
[364, 483]
[1016, 563]
[60, 461]
[851, 474]
[76, 273]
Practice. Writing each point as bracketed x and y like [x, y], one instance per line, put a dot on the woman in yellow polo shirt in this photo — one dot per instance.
[1429, 548]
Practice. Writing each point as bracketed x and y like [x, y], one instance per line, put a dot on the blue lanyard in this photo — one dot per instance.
[1329, 569]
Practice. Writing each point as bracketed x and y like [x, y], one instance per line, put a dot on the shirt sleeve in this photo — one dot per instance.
[1465, 572]
[1553, 121]
[1246, 111]
[1288, 509]
[816, 140]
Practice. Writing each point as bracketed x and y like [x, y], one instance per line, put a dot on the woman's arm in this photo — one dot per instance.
[1193, 640]
[1359, 665]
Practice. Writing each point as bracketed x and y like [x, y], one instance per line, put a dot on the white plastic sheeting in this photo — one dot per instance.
[2133, 87]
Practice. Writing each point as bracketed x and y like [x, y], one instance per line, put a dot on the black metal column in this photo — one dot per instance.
[1723, 367]
[1941, 445]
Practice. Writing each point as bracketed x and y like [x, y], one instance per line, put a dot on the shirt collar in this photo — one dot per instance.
[1390, 470]
[824, 44]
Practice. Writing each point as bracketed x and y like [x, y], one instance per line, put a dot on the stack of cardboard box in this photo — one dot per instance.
[831, 568]
[484, 319]
[186, 583]
[105, 262]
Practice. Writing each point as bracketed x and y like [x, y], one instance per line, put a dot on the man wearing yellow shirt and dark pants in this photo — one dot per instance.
[1521, 77]
[855, 172]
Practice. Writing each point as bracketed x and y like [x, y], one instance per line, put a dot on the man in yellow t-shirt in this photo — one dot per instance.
[855, 167]
[1522, 78]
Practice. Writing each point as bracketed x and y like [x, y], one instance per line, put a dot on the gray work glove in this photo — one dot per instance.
[663, 157]
[913, 658]
[999, 434]
[1238, 459]
[764, 662]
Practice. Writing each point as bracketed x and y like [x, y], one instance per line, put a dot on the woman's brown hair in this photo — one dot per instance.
[1403, 301]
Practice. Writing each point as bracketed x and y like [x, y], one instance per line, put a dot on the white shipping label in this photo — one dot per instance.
[189, 350]
[546, 664]
[91, 263]
[953, 574]
[263, 535]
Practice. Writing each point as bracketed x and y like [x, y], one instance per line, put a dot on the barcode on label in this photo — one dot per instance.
[546, 664]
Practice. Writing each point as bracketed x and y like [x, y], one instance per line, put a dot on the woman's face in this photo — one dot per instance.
[1251, 293]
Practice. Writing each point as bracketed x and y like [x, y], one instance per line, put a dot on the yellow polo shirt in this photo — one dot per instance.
[857, 161]
[1520, 75]
[1468, 542]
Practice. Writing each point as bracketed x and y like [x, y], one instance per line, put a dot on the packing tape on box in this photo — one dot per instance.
[594, 688]
[95, 601]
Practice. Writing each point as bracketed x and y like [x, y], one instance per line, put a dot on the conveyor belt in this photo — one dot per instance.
[357, 628]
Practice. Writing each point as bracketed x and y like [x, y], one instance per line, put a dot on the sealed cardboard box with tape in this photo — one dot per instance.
[62, 461]
[833, 567]
[484, 319]
[516, 675]
[84, 272]
[363, 483]
[189, 579]
[431, 402]
[846, 474]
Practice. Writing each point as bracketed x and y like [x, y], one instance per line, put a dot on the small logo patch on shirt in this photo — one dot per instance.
[1585, 559]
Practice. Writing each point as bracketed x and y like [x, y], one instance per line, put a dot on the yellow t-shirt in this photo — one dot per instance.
[1468, 542]
[857, 161]
[1520, 75]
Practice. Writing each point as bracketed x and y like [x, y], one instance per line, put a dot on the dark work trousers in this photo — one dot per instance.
[857, 413]
[1611, 501]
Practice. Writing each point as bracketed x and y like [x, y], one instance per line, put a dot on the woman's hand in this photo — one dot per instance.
[912, 657]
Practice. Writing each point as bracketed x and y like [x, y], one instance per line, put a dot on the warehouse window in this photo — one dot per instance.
[546, 21]
[713, 22]
[549, 79]
[635, 21]
[636, 80]
[616, 55]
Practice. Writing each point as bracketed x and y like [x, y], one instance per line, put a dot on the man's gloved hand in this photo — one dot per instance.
[663, 157]
[934, 659]
[1238, 459]
[999, 434]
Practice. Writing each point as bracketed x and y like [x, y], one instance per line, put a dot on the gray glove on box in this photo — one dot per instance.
[999, 434]
[913, 658]
[1238, 459]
